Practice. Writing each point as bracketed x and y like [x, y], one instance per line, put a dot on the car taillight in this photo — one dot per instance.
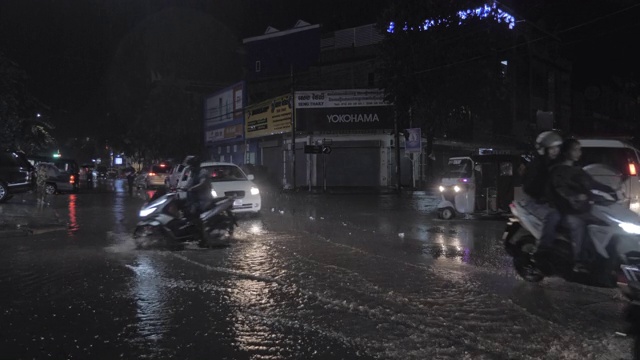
[152, 174]
[632, 169]
[72, 179]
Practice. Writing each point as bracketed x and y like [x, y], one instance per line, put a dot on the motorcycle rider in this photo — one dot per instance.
[569, 191]
[198, 192]
[535, 184]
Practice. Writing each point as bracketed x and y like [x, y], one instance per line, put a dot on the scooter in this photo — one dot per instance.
[163, 222]
[613, 245]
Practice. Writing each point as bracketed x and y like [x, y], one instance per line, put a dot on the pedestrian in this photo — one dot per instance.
[130, 173]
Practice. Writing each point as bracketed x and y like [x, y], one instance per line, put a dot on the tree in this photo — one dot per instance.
[156, 113]
[444, 65]
[21, 126]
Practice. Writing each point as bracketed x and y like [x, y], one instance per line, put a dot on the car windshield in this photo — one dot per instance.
[66, 166]
[225, 173]
[159, 169]
[616, 158]
[458, 168]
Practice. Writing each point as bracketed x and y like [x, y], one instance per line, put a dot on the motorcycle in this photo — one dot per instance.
[612, 242]
[164, 222]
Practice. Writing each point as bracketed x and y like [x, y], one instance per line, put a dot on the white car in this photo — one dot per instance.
[172, 179]
[228, 179]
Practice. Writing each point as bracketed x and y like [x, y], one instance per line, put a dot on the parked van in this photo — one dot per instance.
[621, 156]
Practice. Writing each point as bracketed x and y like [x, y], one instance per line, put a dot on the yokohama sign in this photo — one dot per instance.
[350, 109]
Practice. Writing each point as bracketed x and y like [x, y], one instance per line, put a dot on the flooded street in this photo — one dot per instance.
[312, 277]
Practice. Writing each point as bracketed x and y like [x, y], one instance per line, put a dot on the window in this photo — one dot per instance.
[371, 80]
[617, 158]
[258, 66]
[228, 149]
[504, 65]
[225, 173]
[235, 148]
[458, 168]
[159, 169]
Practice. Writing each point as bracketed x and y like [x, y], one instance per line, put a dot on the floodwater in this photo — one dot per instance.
[312, 277]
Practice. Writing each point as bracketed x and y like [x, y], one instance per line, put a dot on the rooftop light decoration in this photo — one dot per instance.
[486, 11]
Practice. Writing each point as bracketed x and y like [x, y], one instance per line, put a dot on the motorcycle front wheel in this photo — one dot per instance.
[146, 237]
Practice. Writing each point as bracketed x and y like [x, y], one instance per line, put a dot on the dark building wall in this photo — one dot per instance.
[276, 55]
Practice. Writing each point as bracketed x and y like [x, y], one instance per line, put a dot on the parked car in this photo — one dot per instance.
[228, 179]
[174, 176]
[58, 181]
[101, 171]
[68, 165]
[153, 177]
[89, 174]
[17, 175]
[620, 156]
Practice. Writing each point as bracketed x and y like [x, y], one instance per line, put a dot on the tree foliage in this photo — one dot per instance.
[448, 74]
[157, 112]
[20, 127]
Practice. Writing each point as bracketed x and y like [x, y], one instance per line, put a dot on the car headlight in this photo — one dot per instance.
[255, 190]
[147, 211]
[214, 193]
[441, 188]
[457, 188]
[630, 228]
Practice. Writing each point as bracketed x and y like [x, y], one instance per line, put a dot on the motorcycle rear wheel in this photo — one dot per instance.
[523, 261]
[217, 237]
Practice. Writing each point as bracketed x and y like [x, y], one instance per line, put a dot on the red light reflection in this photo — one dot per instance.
[73, 220]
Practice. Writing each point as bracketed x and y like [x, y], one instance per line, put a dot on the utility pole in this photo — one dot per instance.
[396, 141]
[293, 129]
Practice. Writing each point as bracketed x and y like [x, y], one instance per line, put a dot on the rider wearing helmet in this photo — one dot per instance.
[535, 184]
[198, 191]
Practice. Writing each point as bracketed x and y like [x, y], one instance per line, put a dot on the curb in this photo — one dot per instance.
[28, 230]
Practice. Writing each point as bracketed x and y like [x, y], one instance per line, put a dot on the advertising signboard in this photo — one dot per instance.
[214, 135]
[351, 109]
[413, 143]
[224, 106]
[269, 117]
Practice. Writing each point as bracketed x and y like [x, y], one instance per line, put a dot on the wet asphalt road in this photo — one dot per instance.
[313, 277]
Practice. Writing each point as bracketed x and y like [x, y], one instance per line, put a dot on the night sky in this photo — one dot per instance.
[67, 46]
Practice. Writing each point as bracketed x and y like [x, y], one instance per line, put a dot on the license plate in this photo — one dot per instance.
[237, 203]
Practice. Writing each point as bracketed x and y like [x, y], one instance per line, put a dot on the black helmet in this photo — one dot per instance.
[192, 160]
[546, 140]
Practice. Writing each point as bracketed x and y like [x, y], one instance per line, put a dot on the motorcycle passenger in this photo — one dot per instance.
[198, 192]
[535, 184]
[569, 191]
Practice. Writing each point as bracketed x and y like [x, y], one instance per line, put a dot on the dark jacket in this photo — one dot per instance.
[199, 185]
[567, 183]
[534, 181]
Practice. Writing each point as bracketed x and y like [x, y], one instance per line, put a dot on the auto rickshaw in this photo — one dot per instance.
[480, 184]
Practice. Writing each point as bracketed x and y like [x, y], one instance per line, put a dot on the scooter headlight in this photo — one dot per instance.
[214, 194]
[457, 188]
[441, 188]
[147, 211]
[630, 228]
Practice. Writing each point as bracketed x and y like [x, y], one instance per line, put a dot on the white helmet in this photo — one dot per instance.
[547, 139]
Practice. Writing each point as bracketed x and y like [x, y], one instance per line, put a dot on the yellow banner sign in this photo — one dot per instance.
[268, 117]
